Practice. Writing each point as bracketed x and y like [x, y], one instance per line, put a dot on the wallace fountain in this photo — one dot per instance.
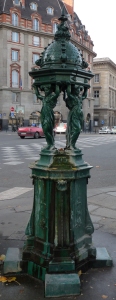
[59, 232]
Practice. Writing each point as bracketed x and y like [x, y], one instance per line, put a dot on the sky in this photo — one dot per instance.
[99, 18]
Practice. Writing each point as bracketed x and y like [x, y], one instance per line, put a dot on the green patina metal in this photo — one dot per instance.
[60, 228]
[61, 69]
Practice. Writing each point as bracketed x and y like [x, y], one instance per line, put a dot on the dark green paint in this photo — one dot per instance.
[60, 228]
[59, 232]
[62, 225]
[62, 69]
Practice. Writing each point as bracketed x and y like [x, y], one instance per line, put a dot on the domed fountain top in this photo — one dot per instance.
[61, 53]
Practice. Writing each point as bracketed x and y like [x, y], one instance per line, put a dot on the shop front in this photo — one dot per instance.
[16, 117]
[35, 118]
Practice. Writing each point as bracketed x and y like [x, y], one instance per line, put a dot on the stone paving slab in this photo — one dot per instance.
[92, 207]
[95, 219]
[112, 194]
[19, 201]
[14, 223]
[103, 200]
[98, 198]
[96, 284]
[97, 191]
[105, 212]
[24, 208]
[108, 225]
[15, 213]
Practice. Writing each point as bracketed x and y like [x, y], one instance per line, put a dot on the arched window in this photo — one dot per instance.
[33, 6]
[55, 27]
[36, 24]
[15, 79]
[14, 19]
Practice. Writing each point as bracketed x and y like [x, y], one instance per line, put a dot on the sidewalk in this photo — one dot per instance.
[96, 283]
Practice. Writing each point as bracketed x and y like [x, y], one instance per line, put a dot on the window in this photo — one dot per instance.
[33, 6]
[89, 103]
[36, 41]
[110, 95]
[115, 99]
[72, 32]
[89, 58]
[15, 55]
[15, 79]
[35, 57]
[17, 2]
[14, 19]
[35, 24]
[96, 96]
[50, 11]
[16, 97]
[55, 27]
[15, 37]
[35, 100]
[96, 78]
[110, 80]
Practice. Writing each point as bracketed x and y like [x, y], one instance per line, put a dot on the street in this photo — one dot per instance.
[16, 155]
[16, 189]
[16, 200]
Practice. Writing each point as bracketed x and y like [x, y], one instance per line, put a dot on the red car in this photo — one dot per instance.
[31, 131]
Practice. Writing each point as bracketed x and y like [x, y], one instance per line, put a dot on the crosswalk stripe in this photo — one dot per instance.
[15, 155]
[36, 146]
[14, 163]
[33, 158]
[60, 143]
[13, 193]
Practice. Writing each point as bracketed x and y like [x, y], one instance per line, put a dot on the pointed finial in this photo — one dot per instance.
[63, 17]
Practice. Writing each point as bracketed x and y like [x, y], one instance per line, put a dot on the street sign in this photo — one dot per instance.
[102, 122]
[12, 108]
[12, 114]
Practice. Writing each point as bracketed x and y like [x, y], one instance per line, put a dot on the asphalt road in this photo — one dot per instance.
[16, 197]
[16, 155]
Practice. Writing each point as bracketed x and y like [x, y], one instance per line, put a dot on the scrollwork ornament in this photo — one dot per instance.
[62, 185]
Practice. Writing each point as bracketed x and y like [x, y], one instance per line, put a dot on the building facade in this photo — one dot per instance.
[104, 92]
[26, 28]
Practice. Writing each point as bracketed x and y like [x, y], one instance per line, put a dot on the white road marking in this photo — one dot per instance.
[14, 163]
[36, 146]
[11, 159]
[33, 158]
[15, 155]
[13, 193]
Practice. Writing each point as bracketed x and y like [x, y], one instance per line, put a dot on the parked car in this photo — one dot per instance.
[104, 130]
[61, 128]
[30, 131]
[113, 130]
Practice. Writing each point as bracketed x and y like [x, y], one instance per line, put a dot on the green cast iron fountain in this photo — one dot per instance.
[59, 231]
